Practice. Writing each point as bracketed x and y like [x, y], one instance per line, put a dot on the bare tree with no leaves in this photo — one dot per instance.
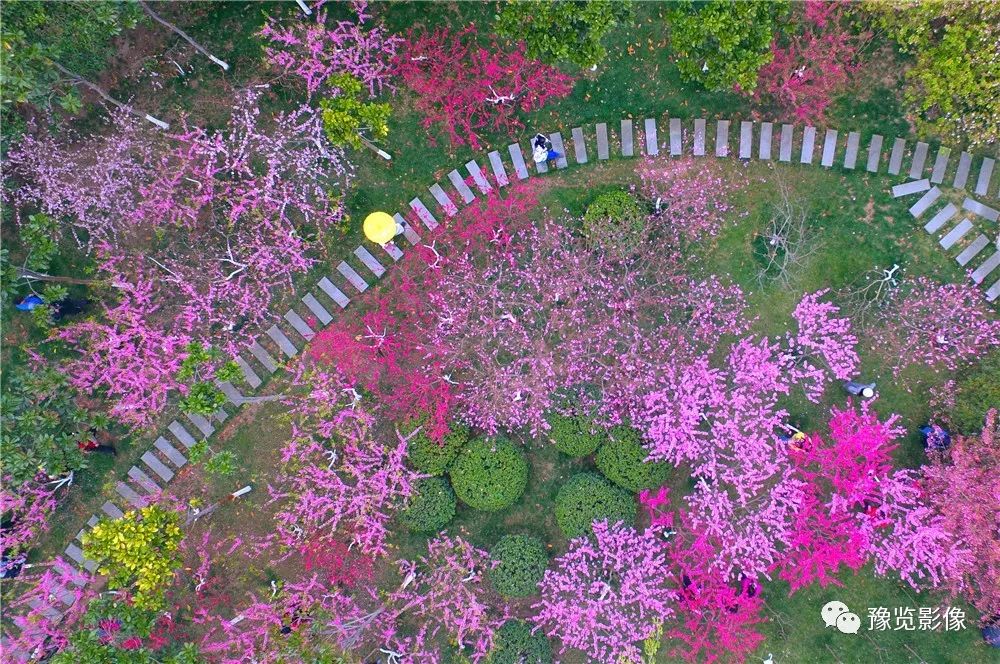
[784, 244]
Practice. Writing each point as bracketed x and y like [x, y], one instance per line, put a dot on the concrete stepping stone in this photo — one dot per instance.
[912, 187]
[956, 234]
[808, 145]
[603, 146]
[676, 137]
[369, 261]
[352, 277]
[746, 139]
[173, 455]
[652, 141]
[557, 145]
[699, 137]
[263, 357]
[579, 146]
[764, 151]
[941, 218]
[48, 611]
[940, 165]
[186, 439]
[477, 176]
[423, 214]
[142, 480]
[93, 521]
[829, 147]
[785, 146]
[235, 397]
[919, 157]
[253, 380]
[628, 149]
[126, 492]
[972, 250]
[896, 156]
[518, 158]
[76, 554]
[220, 415]
[335, 293]
[157, 466]
[112, 510]
[962, 174]
[283, 342]
[317, 309]
[65, 596]
[925, 202]
[990, 264]
[458, 182]
[851, 154]
[722, 138]
[499, 172]
[299, 325]
[994, 291]
[985, 173]
[200, 423]
[411, 235]
[443, 200]
[984, 211]
[874, 154]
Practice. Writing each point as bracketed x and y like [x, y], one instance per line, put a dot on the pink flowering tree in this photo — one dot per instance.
[43, 621]
[467, 88]
[607, 594]
[26, 511]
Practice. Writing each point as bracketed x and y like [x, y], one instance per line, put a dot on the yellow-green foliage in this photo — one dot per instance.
[345, 115]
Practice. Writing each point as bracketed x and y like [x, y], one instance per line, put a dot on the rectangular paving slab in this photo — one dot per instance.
[912, 187]
[409, 233]
[458, 182]
[172, 453]
[369, 261]
[766, 129]
[980, 273]
[851, 154]
[392, 251]
[652, 141]
[76, 553]
[477, 176]
[317, 309]
[993, 292]
[676, 137]
[972, 250]
[557, 145]
[627, 149]
[940, 165]
[182, 434]
[925, 202]
[299, 325]
[443, 200]
[517, 157]
[699, 137]
[985, 173]
[785, 146]
[746, 139]
[808, 145]
[896, 156]
[157, 466]
[874, 154]
[499, 171]
[352, 276]
[423, 214]
[263, 357]
[956, 234]
[251, 377]
[112, 510]
[200, 423]
[722, 138]
[962, 174]
[984, 211]
[919, 158]
[829, 147]
[235, 397]
[579, 146]
[603, 146]
[283, 342]
[941, 218]
[129, 494]
[333, 292]
[142, 480]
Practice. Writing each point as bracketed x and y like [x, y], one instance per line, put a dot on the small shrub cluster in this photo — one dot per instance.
[576, 436]
[489, 474]
[431, 507]
[587, 497]
[433, 457]
[622, 459]
[520, 562]
[514, 643]
[615, 224]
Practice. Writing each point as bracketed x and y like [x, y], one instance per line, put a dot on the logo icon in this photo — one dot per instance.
[848, 623]
[831, 611]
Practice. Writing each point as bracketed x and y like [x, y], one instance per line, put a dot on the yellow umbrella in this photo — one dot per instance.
[380, 227]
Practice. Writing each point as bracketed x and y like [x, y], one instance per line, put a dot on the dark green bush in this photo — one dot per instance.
[977, 392]
[514, 643]
[576, 436]
[623, 461]
[489, 474]
[615, 223]
[587, 497]
[433, 457]
[521, 561]
[431, 507]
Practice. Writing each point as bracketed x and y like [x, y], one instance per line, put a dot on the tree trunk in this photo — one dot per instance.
[25, 273]
[170, 26]
[106, 97]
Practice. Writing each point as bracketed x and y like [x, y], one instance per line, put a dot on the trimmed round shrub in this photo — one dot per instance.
[587, 497]
[622, 459]
[514, 643]
[431, 507]
[521, 561]
[615, 223]
[489, 474]
[576, 436]
[434, 457]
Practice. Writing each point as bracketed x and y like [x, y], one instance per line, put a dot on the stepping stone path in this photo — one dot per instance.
[925, 202]
[231, 392]
[896, 156]
[499, 172]
[335, 293]
[652, 143]
[317, 309]
[808, 143]
[990, 264]
[919, 157]
[176, 428]
[956, 234]
[370, 261]
[699, 138]
[851, 155]
[518, 158]
[171, 452]
[983, 211]
[940, 165]
[972, 250]
[352, 277]
[746, 139]
[722, 138]
[283, 342]
[443, 200]
[130, 495]
[463, 189]
[962, 174]
[477, 176]
[579, 146]
[299, 325]
[157, 466]
[423, 214]
[411, 235]
[557, 145]
[764, 152]
[985, 173]
[253, 380]
[941, 218]
[112, 510]
[785, 146]
[603, 147]
[200, 423]
[910, 188]
[829, 147]
[874, 154]
[143, 480]
[263, 357]
[676, 137]
[627, 150]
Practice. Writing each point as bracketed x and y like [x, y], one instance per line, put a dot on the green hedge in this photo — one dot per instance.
[431, 507]
[433, 457]
[520, 562]
[576, 436]
[489, 474]
[514, 643]
[588, 497]
[615, 223]
[623, 461]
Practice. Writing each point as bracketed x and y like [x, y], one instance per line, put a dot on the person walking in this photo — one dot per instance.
[541, 149]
